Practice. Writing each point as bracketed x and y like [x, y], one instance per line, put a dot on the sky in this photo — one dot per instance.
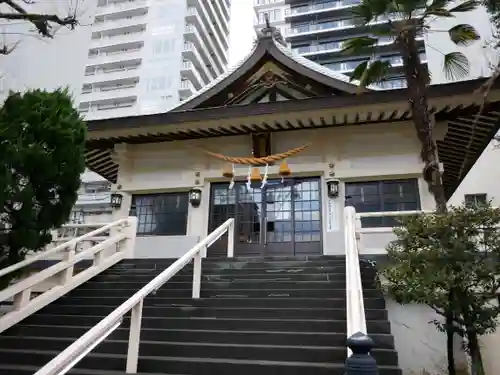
[241, 33]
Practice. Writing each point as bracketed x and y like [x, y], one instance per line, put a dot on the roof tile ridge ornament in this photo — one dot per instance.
[270, 31]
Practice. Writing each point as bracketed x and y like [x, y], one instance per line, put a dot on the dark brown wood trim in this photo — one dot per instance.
[255, 109]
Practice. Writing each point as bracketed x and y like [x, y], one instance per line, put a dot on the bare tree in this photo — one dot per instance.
[18, 10]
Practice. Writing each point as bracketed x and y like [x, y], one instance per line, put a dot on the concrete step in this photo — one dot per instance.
[271, 316]
[186, 349]
[283, 302]
[195, 323]
[224, 293]
[184, 365]
[218, 312]
[30, 370]
[383, 341]
[241, 285]
[239, 276]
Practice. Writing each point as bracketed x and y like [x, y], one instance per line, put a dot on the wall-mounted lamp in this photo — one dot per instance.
[332, 187]
[195, 197]
[116, 200]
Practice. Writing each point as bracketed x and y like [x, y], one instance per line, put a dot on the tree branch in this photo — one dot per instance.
[41, 21]
[14, 6]
[6, 49]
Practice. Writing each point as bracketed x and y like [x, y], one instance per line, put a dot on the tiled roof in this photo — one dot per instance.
[288, 53]
[319, 68]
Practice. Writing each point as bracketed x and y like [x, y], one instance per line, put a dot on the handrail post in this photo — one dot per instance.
[131, 233]
[22, 299]
[230, 240]
[197, 274]
[134, 338]
[360, 362]
[67, 274]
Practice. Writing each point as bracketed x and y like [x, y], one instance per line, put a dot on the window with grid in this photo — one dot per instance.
[474, 200]
[161, 214]
[383, 196]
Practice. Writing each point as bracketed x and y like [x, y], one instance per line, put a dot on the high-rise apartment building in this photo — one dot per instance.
[275, 9]
[127, 57]
[145, 56]
[317, 29]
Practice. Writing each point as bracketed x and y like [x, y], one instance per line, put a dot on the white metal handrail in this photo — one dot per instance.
[58, 249]
[392, 213]
[62, 274]
[356, 321]
[73, 230]
[68, 358]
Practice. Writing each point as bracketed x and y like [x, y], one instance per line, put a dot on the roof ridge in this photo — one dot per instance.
[220, 78]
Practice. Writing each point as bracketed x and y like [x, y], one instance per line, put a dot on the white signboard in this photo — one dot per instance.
[332, 220]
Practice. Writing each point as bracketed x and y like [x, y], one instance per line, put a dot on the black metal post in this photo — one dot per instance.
[360, 362]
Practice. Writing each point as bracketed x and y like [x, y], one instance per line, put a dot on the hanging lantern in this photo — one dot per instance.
[284, 169]
[227, 172]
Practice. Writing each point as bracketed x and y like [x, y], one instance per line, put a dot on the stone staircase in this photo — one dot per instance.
[266, 316]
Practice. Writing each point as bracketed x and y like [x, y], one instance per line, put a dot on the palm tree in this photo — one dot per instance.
[406, 20]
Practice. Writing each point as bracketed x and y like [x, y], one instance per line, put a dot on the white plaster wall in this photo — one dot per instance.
[163, 246]
[484, 177]
[489, 350]
[419, 344]
[356, 153]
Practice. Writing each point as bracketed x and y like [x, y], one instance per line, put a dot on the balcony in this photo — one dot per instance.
[346, 67]
[217, 22]
[392, 84]
[87, 199]
[97, 94]
[222, 15]
[319, 48]
[190, 72]
[192, 54]
[263, 3]
[112, 73]
[107, 41]
[226, 8]
[110, 108]
[120, 6]
[304, 12]
[199, 17]
[186, 89]
[118, 23]
[115, 56]
[340, 27]
[333, 47]
[194, 36]
[320, 27]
